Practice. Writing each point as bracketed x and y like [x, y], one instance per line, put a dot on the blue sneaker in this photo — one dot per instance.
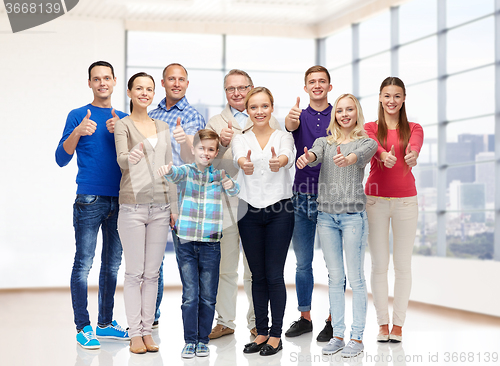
[202, 350]
[86, 338]
[112, 331]
[189, 350]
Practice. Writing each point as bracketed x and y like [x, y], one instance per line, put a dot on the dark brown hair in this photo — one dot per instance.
[205, 134]
[404, 131]
[130, 84]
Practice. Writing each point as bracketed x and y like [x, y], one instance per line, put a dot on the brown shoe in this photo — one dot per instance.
[137, 345]
[150, 344]
[219, 331]
[253, 332]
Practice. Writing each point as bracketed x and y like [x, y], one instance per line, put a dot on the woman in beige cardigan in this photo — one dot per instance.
[146, 202]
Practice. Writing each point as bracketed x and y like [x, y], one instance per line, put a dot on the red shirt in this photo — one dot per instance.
[397, 181]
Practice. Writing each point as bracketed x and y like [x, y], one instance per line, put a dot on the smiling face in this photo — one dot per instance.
[259, 109]
[142, 93]
[205, 152]
[175, 83]
[317, 86]
[237, 99]
[102, 82]
[346, 114]
[392, 98]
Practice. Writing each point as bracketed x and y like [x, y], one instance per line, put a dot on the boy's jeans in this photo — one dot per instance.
[198, 264]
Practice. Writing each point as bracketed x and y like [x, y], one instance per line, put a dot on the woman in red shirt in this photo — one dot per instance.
[392, 200]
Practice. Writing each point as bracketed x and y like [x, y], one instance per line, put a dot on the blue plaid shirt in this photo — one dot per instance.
[201, 209]
[191, 122]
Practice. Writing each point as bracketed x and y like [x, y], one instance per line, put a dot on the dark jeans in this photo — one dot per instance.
[265, 235]
[90, 213]
[199, 264]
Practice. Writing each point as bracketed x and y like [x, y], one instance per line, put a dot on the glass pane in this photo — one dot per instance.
[418, 61]
[374, 35]
[426, 240]
[160, 49]
[417, 19]
[471, 45]
[339, 48]
[485, 174]
[428, 152]
[341, 81]
[460, 101]
[372, 72]
[273, 53]
[460, 174]
[370, 108]
[469, 234]
[464, 146]
[460, 11]
[418, 96]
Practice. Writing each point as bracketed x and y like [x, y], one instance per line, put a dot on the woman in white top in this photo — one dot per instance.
[265, 215]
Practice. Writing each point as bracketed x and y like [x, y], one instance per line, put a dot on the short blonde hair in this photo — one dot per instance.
[334, 132]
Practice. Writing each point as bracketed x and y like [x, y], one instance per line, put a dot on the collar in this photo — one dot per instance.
[181, 104]
[324, 112]
[234, 111]
[209, 169]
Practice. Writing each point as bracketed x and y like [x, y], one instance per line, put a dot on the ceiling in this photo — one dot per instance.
[294, 18]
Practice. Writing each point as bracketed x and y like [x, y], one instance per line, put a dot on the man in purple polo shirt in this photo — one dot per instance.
[306, 126]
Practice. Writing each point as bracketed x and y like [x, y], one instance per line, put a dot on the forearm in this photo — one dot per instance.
[186, 150]
[71, 142]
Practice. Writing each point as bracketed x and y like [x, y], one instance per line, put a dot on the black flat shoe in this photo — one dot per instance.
[269, 350]
[254, 347]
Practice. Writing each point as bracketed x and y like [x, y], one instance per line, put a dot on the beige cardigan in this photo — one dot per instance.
[140, 184]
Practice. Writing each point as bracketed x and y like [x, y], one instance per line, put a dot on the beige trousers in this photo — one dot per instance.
[402, 215]
[143, 232]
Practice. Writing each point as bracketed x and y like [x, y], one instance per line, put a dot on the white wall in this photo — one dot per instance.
[43, 75]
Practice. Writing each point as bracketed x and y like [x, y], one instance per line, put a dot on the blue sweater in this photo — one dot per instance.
[98, 171]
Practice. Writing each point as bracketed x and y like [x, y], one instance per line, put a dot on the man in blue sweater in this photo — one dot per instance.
[89, 132]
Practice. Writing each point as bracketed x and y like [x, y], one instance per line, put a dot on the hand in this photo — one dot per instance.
[179, 134]
[110, 123]
[226, 134]
[274, 162]
[303, 160]
[410, 157]
[248, 165]
[136, 154]
[173, 219]
[390, 158]
[87, 127]
[340, 160]
[164, 169]
[295, 112]
[226, 182]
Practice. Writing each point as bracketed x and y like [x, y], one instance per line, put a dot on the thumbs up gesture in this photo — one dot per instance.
[136, 154]
[246, 164]
[164, 169]
[226, 182]
[411, 156]
[274, 162]
[390, 158]
[304, 159]
[179, 134]
[87, 127]
[340, 160]
[295, 112]
[226, 134]
[110, 123]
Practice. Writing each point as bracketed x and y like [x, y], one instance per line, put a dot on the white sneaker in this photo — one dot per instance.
[333, 346]
[352, 349]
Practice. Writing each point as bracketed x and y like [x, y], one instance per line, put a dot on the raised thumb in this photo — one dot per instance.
[306, 153]
[141, 146]
[222, 174]
[113, 113]
[248, 155]
[273, 152]
[178, 121]
[230, 125]
[408, 148]
[88, 114]
[338, 150]
[393, 152]
[298, 102]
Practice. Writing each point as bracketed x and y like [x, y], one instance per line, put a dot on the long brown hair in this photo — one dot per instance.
[404, 131]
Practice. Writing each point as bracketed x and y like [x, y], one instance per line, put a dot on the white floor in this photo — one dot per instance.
[37, 329]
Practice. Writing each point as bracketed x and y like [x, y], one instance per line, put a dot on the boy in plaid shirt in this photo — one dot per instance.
[199, 227]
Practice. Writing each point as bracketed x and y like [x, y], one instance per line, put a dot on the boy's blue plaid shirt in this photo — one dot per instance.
[201, 209]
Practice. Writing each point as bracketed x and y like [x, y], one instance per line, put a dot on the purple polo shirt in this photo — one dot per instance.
[313, 124]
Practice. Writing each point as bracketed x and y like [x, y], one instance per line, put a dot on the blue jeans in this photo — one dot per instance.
[265, 234]
[349, 232]
[306, 213]
[90, 213]
[198, 264]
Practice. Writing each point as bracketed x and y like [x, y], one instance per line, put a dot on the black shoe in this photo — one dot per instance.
[269, 350]
[254, 347]
[299, 327]
[327, 333]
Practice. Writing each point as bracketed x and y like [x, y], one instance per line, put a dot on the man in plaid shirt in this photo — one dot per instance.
[199, 228]
[184, 121]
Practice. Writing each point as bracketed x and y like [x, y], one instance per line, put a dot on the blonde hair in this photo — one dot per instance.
[334, 132]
